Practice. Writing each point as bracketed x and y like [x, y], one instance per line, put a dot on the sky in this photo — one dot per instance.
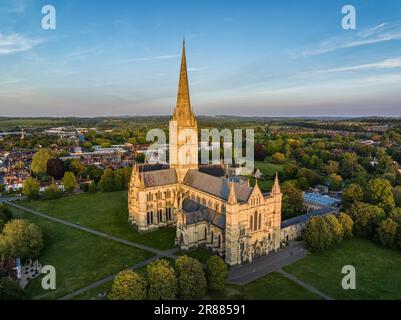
[249, 58]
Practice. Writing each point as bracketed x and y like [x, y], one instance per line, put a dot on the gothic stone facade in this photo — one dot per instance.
[208, 209]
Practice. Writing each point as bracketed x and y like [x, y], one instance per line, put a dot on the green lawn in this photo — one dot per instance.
[80, 258]
[378, 271]
[106, 212]
[201, 254]
[268, 168]
[273, 286]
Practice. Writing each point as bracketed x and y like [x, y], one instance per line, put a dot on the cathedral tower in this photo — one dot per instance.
[183, 128]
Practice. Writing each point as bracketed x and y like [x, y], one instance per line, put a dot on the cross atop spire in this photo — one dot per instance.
[183, 113]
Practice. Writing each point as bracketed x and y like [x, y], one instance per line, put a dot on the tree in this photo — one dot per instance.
[128, 285]
[118, 180]
[92, 187]
[397, 195]
[293, 201]
[351, 194]
[10, 290]
[216, 273]
[381, 193]
[335, 181]
[75, 166]
[347, 224]
[31, 188]
[140, 157]
[260, 153]
[387, 232]
[290, 171]
[39, 161]
[331, 167]
[106, 183]
[55, 168]
[366, 218]
[162, 281]
[94, 172]
[69, 182]
[317, 234]
[335, 227]
[311, 176]
[52, 192]
[21, 239]
[190, 278]
[278, 158]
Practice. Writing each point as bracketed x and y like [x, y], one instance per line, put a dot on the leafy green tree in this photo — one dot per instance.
[69, 182]
[331, 167]
[317, 234]
[106, 183]
[21, 239]
[39, 161]
[293, 201]
[349, 165]
[335, 227]
[278, 158]
[216, 273]
[128, 285]
[387, 232]
[140, 158]
[311, 176]
[52, 192]
[31, 188]
[397, 195]
[94, 172]
[190, 278]
[381, 193]
[10, 290]
[162, 281]
[347, 224]
[92, 187]
[366, 218]
[75, 166]
[351, 194]
[6, 212]
[335, 181]
[290, 171]
[118, 180]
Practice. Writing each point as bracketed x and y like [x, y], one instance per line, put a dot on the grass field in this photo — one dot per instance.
[80, 258]
[378, 271]
[268, 168]
[273, 286]
[106, 212]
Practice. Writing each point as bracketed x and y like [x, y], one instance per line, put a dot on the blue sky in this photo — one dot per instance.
[267, 58]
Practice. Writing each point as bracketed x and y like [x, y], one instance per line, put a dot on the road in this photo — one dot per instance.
[267, 264]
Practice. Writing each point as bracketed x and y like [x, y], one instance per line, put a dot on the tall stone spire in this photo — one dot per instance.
[183, 113]
[232, 198]
[276, 185]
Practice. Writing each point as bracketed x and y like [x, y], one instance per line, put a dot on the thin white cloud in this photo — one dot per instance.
[17, 6]
[161, 57]
[384, 32]
[15, 42]
[385, 64]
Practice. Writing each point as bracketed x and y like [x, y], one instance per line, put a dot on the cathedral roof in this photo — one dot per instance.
[216, 170]
[196, 212]
[217, 186]
[159, 177]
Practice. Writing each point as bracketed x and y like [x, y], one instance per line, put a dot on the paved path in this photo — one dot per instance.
[267, 264]
[167, 253]
[305, 285]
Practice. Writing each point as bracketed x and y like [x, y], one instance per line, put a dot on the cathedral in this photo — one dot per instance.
[208, 209]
